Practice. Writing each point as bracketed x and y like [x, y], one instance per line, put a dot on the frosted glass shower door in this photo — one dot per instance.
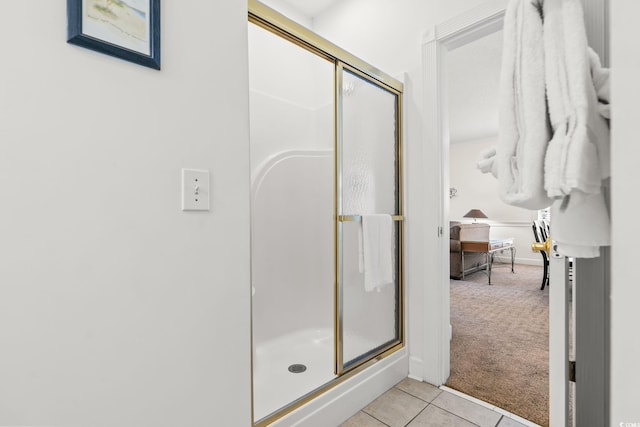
[292, 220]
[325, 154]
[369, 164]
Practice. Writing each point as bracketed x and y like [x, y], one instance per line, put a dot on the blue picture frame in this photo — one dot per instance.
[126, 29]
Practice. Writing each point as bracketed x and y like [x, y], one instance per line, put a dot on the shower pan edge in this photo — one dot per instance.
[336, 403]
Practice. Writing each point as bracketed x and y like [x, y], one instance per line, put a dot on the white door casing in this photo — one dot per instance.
[437, 42]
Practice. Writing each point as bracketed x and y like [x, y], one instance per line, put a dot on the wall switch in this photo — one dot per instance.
[195, 190]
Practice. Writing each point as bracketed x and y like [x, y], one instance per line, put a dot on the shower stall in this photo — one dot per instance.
[325, 150]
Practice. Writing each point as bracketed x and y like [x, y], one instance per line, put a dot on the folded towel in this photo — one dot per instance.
[487, 163]
[524, 128]
[377, 251]
[487, 166]
[488, 153]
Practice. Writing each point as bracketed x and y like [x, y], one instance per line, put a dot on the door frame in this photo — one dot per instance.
[437, 42]
[461, 30]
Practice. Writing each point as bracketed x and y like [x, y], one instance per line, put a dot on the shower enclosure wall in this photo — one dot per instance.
[325, 150]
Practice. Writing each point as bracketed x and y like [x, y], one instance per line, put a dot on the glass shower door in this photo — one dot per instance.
[325, 155]
[369, 184]
[292, 220]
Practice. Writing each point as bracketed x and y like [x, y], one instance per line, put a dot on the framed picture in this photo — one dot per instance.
[127, 29]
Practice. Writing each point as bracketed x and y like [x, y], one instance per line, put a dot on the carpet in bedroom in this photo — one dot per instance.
[500, 344]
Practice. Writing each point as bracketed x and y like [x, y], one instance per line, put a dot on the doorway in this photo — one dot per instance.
[591, 393]
[500, 331]
[477, 23]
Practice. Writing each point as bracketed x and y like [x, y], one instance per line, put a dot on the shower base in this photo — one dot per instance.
[274, 385]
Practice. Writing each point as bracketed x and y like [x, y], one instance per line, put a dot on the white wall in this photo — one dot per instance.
[472, 85]
[625, 292]
[291, 97]
[292, 13]
[291, 103]
[477, 190]
[116, 308]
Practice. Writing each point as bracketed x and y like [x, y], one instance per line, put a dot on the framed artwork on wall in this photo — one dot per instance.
[126, 29]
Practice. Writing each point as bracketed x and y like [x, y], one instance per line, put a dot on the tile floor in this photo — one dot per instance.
[416, 404]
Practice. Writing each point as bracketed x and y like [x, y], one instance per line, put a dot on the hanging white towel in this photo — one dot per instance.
[545, 49]
[578, 154]
[377, 251]
[577, 158]
[523, 124]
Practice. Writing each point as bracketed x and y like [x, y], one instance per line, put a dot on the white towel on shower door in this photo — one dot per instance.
[377, 251]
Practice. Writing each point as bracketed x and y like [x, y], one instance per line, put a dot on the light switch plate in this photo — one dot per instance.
[195, 190]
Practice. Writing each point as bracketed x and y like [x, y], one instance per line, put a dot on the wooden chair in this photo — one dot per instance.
[541, 234]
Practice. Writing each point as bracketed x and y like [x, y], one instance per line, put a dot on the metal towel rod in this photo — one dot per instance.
[358, 218]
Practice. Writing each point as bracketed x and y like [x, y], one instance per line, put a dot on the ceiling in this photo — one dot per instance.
[310, 8]
[473, 77]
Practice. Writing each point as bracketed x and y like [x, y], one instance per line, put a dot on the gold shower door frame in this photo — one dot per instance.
[277, 23]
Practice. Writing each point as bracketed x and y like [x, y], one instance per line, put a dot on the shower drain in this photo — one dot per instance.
[297, 368]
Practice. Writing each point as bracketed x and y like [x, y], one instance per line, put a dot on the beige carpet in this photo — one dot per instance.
[500, 345]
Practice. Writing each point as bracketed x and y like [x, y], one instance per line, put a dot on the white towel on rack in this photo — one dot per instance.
[487, 163]
[377, 251]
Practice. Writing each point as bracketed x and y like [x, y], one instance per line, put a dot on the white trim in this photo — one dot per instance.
[595, 17]
[519, 224]
[526, 224]
[416, 368]
[471, 25]
[558, 344]
[436, 297]
[517, 260]
[475, 23]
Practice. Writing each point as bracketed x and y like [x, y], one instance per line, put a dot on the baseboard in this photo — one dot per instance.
[525, 261]
[416, 368]
[475, 268]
